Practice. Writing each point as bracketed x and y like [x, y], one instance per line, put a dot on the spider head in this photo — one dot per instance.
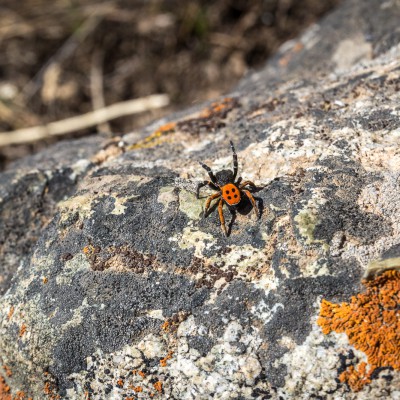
[224, 177]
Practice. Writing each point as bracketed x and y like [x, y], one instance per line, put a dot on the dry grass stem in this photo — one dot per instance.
[84, 121]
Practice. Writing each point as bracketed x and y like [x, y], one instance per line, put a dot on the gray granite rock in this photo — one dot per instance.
[122, 289]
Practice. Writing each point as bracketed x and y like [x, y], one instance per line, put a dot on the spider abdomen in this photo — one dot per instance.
[231, 194]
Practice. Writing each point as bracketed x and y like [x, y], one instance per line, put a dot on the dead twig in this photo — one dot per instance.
[93, 118]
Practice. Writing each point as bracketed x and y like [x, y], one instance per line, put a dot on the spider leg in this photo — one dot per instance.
[233, 219]
[210, 173]
[209, 200]
[248, 183]
[235, 161]
[204, 183]
[253, 202]
[221, 216]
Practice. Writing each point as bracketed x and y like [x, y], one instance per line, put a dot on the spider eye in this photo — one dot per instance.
[233, 190]
[227, 191]
[229, 197]
[235, 196]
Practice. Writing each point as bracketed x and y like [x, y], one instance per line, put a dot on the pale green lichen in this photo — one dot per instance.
[190, 205]
[307, 219]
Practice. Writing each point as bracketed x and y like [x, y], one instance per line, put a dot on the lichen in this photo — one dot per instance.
[371, 322]
[154, 138]
[6, 393]
[308, 218]
[190, 205]
[209, 118]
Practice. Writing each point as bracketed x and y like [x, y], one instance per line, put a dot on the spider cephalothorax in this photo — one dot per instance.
[229, 191]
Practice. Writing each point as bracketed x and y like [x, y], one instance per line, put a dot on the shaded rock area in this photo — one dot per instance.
[121, 289]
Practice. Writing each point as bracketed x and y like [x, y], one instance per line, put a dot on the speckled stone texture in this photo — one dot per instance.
[121, 289]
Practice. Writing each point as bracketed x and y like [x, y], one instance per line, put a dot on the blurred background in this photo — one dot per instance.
[64, 58]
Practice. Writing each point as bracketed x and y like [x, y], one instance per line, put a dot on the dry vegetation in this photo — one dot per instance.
[63, 58]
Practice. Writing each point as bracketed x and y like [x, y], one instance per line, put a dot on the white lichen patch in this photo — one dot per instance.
[228, 371]
[246, 260]
[166, 196]
[29, 325]
[307, 219]
[78, 168]
[77, 317]
[380, 198]
[81, 204]
[265, 313]
[156, 314]
[119, 204]
[94, 189]
[312, 367]
[316, 268]
[193, 238]
[114, 374]
[152, 346]
[77, 263]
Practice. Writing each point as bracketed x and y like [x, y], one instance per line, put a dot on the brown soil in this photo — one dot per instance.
[52, 52]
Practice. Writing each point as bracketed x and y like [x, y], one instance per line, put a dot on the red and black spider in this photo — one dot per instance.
[229, 191]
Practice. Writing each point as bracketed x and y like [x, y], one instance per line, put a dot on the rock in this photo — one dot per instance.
[121, 288]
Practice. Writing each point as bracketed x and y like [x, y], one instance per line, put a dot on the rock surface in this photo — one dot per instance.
[121, 289]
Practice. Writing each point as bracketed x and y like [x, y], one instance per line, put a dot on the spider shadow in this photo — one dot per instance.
[244, 208]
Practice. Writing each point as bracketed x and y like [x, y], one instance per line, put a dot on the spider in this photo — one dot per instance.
[229, 191]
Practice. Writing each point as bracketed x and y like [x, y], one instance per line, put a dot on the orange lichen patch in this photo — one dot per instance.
[50, 390]
[47, 388]
[88, 249]
[154, 138]
[210, 119]
[137, 389]
[356, 378]
[219, 108]
[22, 330]
[45, 280]
[372, 323]
[165, 326]
[7, 370]
[4, 390]
[10, 313]
[120, 382]
[163, 361]
[158, 386]
[142, 374]
[19, 396]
